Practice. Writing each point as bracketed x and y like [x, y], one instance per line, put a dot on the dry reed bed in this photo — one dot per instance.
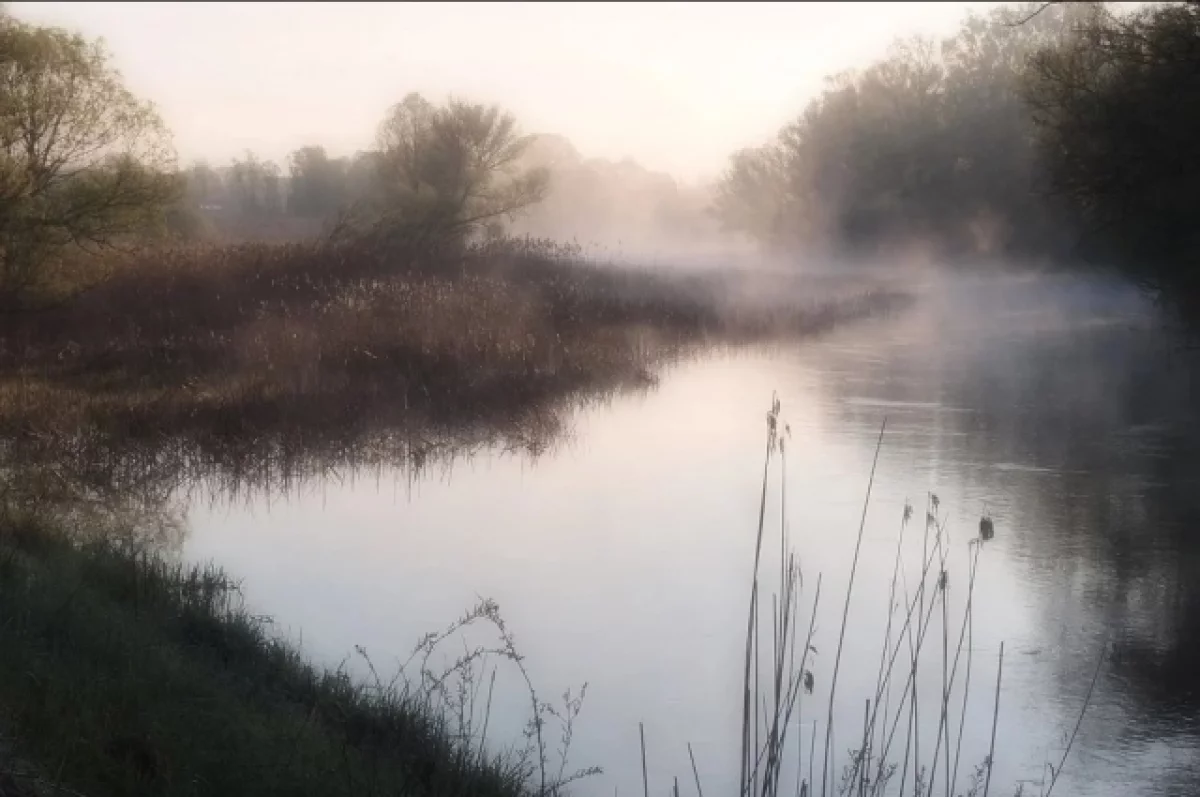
[241, 340]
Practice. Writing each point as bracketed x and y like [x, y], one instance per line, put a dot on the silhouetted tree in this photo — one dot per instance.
[752, 196]
[1118, 112]
[933, 143]
[444, 173]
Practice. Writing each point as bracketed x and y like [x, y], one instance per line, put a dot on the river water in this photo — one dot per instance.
[621, 556]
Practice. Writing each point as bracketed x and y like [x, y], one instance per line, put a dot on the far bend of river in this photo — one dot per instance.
[622, 557]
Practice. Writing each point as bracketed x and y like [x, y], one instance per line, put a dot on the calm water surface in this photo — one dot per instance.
[621, 556]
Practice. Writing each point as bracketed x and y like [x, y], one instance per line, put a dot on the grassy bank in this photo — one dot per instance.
[123, 674]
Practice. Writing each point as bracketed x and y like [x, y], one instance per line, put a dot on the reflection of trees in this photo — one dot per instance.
[1107, 521]
[1109, 412]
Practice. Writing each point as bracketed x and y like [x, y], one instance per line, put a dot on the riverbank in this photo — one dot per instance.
[244, 340]
[121, 673]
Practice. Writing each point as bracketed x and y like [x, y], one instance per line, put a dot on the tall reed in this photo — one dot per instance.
[778, 675]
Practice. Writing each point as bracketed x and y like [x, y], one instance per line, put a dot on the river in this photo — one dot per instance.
[621, 554]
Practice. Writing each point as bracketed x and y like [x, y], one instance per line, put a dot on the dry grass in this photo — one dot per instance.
[264, 345]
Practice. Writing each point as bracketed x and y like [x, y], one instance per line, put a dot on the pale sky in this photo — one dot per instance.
[676, 87]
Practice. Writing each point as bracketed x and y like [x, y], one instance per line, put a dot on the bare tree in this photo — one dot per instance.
[446, 172]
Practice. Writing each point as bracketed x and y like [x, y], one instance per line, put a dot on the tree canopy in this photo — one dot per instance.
[1062, 131]
[83, 162]
[932, 142]
[1117, 107]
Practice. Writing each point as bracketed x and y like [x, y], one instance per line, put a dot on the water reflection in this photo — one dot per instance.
[137, 483]
[1054, 405]
[1082, 432]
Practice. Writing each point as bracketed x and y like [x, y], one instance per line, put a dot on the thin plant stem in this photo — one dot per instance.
[887, 636]
[970, 619]
[1054, 773]
[866, 747]
[695, 772]
[837, 658]
[752, 614]
[812, 754]
[991, 759]
[645, 777]
[487, 715]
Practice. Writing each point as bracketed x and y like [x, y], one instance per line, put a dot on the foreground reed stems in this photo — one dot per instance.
[991, 757]
[1087, 699]
[837, 658]
[777, 676]
[752, 614]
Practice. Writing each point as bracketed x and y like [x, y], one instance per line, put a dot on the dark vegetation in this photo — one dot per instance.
[124, 674]
[1059, 132]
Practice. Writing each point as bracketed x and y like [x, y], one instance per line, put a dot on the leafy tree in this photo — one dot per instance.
[445, 173]
[932, 143]
[84, 164]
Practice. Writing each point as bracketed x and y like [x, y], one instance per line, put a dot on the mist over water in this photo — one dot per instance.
[1055, 404]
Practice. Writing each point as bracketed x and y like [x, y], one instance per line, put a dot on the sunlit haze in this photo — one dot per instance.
[676, 87]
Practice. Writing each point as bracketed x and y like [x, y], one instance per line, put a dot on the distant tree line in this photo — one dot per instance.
[1053, 130]
[438, 173]
[87, 172]
[619, 205]
[450, 173]
[537, 185]
[87, 169]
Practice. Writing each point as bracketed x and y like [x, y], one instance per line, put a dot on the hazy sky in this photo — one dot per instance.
[677, 87]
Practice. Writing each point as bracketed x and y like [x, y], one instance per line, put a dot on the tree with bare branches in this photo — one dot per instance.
[446, 173]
